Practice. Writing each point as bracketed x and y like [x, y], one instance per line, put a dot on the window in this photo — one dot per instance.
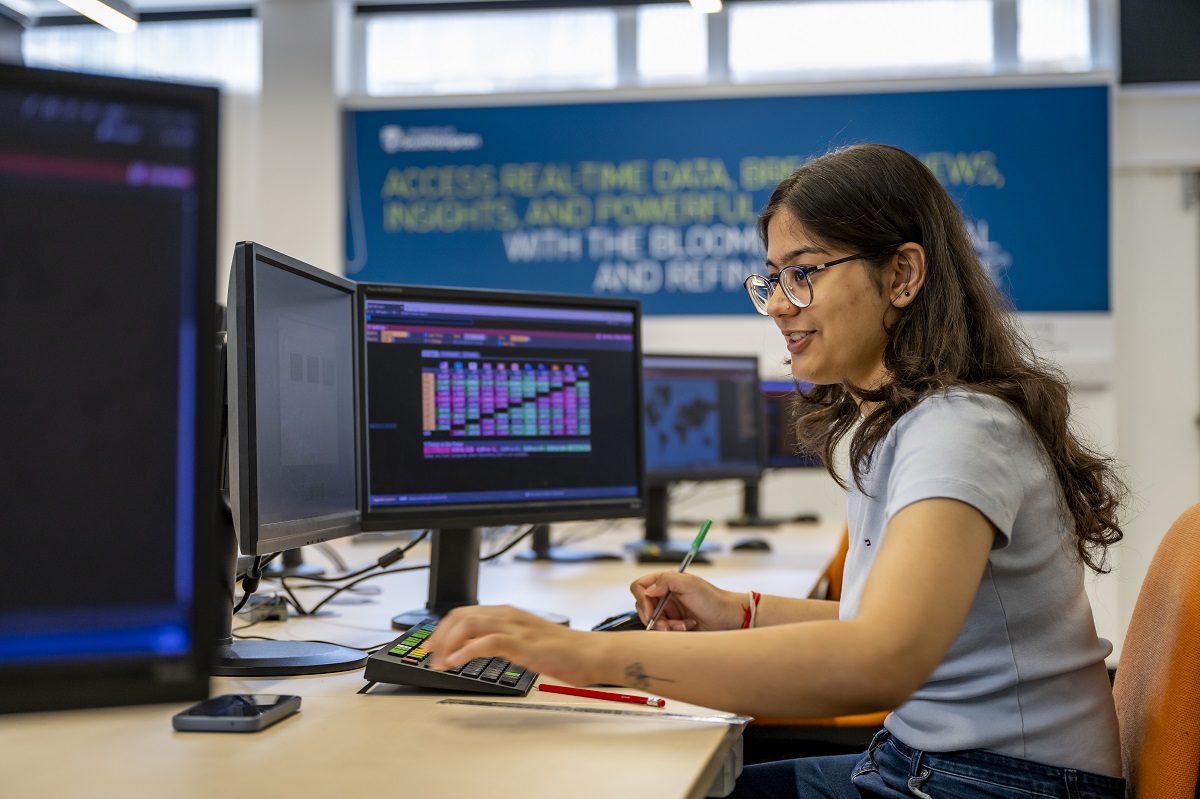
[672, 44]
[221, 52]
[869, 38]
[468, 51]
[1054, 35]
[497, 51]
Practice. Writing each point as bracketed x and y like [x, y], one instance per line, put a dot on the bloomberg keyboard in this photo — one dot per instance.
[406, 662]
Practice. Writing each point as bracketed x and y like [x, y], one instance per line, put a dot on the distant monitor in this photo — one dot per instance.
[703, 417]
[109, 408]
[780, 429]
[780, 446]
[486, 408]
[293, 427]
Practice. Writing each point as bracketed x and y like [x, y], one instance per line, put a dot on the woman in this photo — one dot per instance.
[973, 511]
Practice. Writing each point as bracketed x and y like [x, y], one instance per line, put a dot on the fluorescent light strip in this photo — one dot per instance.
[706, 6]
[107, 14]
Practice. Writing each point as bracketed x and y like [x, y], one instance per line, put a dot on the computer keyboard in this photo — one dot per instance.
[406, 662]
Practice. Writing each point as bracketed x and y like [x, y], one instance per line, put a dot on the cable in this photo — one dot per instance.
[366, 649]
[529, 528]
[252, 578]
[349, 585]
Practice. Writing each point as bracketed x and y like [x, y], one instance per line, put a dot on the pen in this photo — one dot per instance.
[653, 701]
[691, 553]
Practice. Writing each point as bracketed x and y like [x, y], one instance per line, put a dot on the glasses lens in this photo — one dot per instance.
[796, 286]
[760, 292]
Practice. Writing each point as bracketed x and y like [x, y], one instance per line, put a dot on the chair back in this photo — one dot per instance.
[830, 584]
[1157, 685]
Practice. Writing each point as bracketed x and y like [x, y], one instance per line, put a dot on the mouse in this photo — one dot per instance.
[752, 545]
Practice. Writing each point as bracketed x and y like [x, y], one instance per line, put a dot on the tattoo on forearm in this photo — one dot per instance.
[638, 678]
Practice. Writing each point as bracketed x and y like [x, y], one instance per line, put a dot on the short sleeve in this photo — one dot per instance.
[968, 447]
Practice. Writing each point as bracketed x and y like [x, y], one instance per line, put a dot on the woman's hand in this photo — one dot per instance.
[523, 638]
[694, 604]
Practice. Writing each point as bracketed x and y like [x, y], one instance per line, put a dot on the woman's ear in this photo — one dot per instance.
[907, 274]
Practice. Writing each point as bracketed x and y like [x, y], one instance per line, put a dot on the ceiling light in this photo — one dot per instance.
[706, 6]
[112, 14]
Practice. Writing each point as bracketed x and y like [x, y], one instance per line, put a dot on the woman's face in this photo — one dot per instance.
[840, 336]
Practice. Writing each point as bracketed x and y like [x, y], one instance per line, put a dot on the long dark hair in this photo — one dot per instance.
[958, 331]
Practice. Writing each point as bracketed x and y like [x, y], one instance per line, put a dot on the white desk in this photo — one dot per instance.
[343, 743]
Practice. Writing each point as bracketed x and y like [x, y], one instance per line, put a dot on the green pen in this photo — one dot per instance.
[691, 553]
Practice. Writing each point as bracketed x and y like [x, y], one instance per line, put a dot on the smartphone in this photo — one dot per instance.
[236, 712]
[622, 621]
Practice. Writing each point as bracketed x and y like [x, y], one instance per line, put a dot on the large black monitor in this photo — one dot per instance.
[703, 416]
[293, 429]
[486, 408]
[109, 408]
[781, 451]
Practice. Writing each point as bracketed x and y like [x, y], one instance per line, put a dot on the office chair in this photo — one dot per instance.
[1157, 684]
[769, 738]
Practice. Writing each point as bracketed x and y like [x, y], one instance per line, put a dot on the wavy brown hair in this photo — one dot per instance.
[957, 333]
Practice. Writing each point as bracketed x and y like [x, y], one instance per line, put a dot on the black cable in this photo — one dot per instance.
[252, 578]
[529, 528]
[366, 649]
[349, 585]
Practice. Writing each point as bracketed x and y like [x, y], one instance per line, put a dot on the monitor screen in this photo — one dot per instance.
[703, 416]
[293, 455]
[780, 428]
[109, 408]
[486, 408]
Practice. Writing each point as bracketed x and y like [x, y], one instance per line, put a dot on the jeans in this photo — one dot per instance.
[892, 770]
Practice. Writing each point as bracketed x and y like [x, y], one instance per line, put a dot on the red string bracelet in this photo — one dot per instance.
[750, 610]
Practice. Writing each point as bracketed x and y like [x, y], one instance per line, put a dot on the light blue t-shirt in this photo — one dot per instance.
[1026, 675]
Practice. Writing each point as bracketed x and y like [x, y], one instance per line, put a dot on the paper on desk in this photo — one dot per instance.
[715, 718]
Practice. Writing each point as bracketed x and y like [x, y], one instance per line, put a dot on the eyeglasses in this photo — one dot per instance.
[794, 280]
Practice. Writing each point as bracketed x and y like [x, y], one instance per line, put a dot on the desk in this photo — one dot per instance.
[345, 744]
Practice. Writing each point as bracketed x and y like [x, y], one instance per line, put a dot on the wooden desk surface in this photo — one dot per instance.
[342, 743]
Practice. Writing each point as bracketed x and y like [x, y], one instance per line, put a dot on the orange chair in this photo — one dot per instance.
[768, 738]
[1157, 684]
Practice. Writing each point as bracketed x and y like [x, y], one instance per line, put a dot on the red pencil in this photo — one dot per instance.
[653, 701]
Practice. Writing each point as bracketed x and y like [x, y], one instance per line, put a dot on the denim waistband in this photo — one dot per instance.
[1004, 769]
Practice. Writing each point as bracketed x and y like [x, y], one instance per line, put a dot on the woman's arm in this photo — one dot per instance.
[696, 604]
[916, 598]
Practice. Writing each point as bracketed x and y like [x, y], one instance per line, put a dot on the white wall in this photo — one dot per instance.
[280, 184]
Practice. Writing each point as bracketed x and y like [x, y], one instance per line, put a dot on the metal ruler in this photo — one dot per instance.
[606, 711]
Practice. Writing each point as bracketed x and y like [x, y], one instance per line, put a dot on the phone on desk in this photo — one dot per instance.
[622, 621]
[236, 713]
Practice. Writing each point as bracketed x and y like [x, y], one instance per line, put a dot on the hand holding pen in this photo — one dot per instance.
[687, 559]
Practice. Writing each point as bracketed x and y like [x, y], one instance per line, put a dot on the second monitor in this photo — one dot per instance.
[485, 408]
[703, 416]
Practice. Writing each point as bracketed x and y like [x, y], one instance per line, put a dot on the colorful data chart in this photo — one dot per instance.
[493, 399]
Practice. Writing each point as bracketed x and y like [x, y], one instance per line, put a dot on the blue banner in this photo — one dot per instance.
[658, 200]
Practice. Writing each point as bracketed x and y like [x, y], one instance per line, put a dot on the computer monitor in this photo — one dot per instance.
[292, 430]
[782, 451]
[109, 408]
[703, 422]
[779, 427]
[486, 408]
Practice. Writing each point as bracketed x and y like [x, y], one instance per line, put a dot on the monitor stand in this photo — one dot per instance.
[656, 546]
[239, 658]
[750, 508]
[291, 564]
[453, 577]
[542, 549]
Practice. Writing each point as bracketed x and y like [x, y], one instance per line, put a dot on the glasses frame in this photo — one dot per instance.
[777, 282]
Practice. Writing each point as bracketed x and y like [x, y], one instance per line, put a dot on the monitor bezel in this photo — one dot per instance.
[663, 477]
[243, 417]
[151, 678]
[495, 514]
